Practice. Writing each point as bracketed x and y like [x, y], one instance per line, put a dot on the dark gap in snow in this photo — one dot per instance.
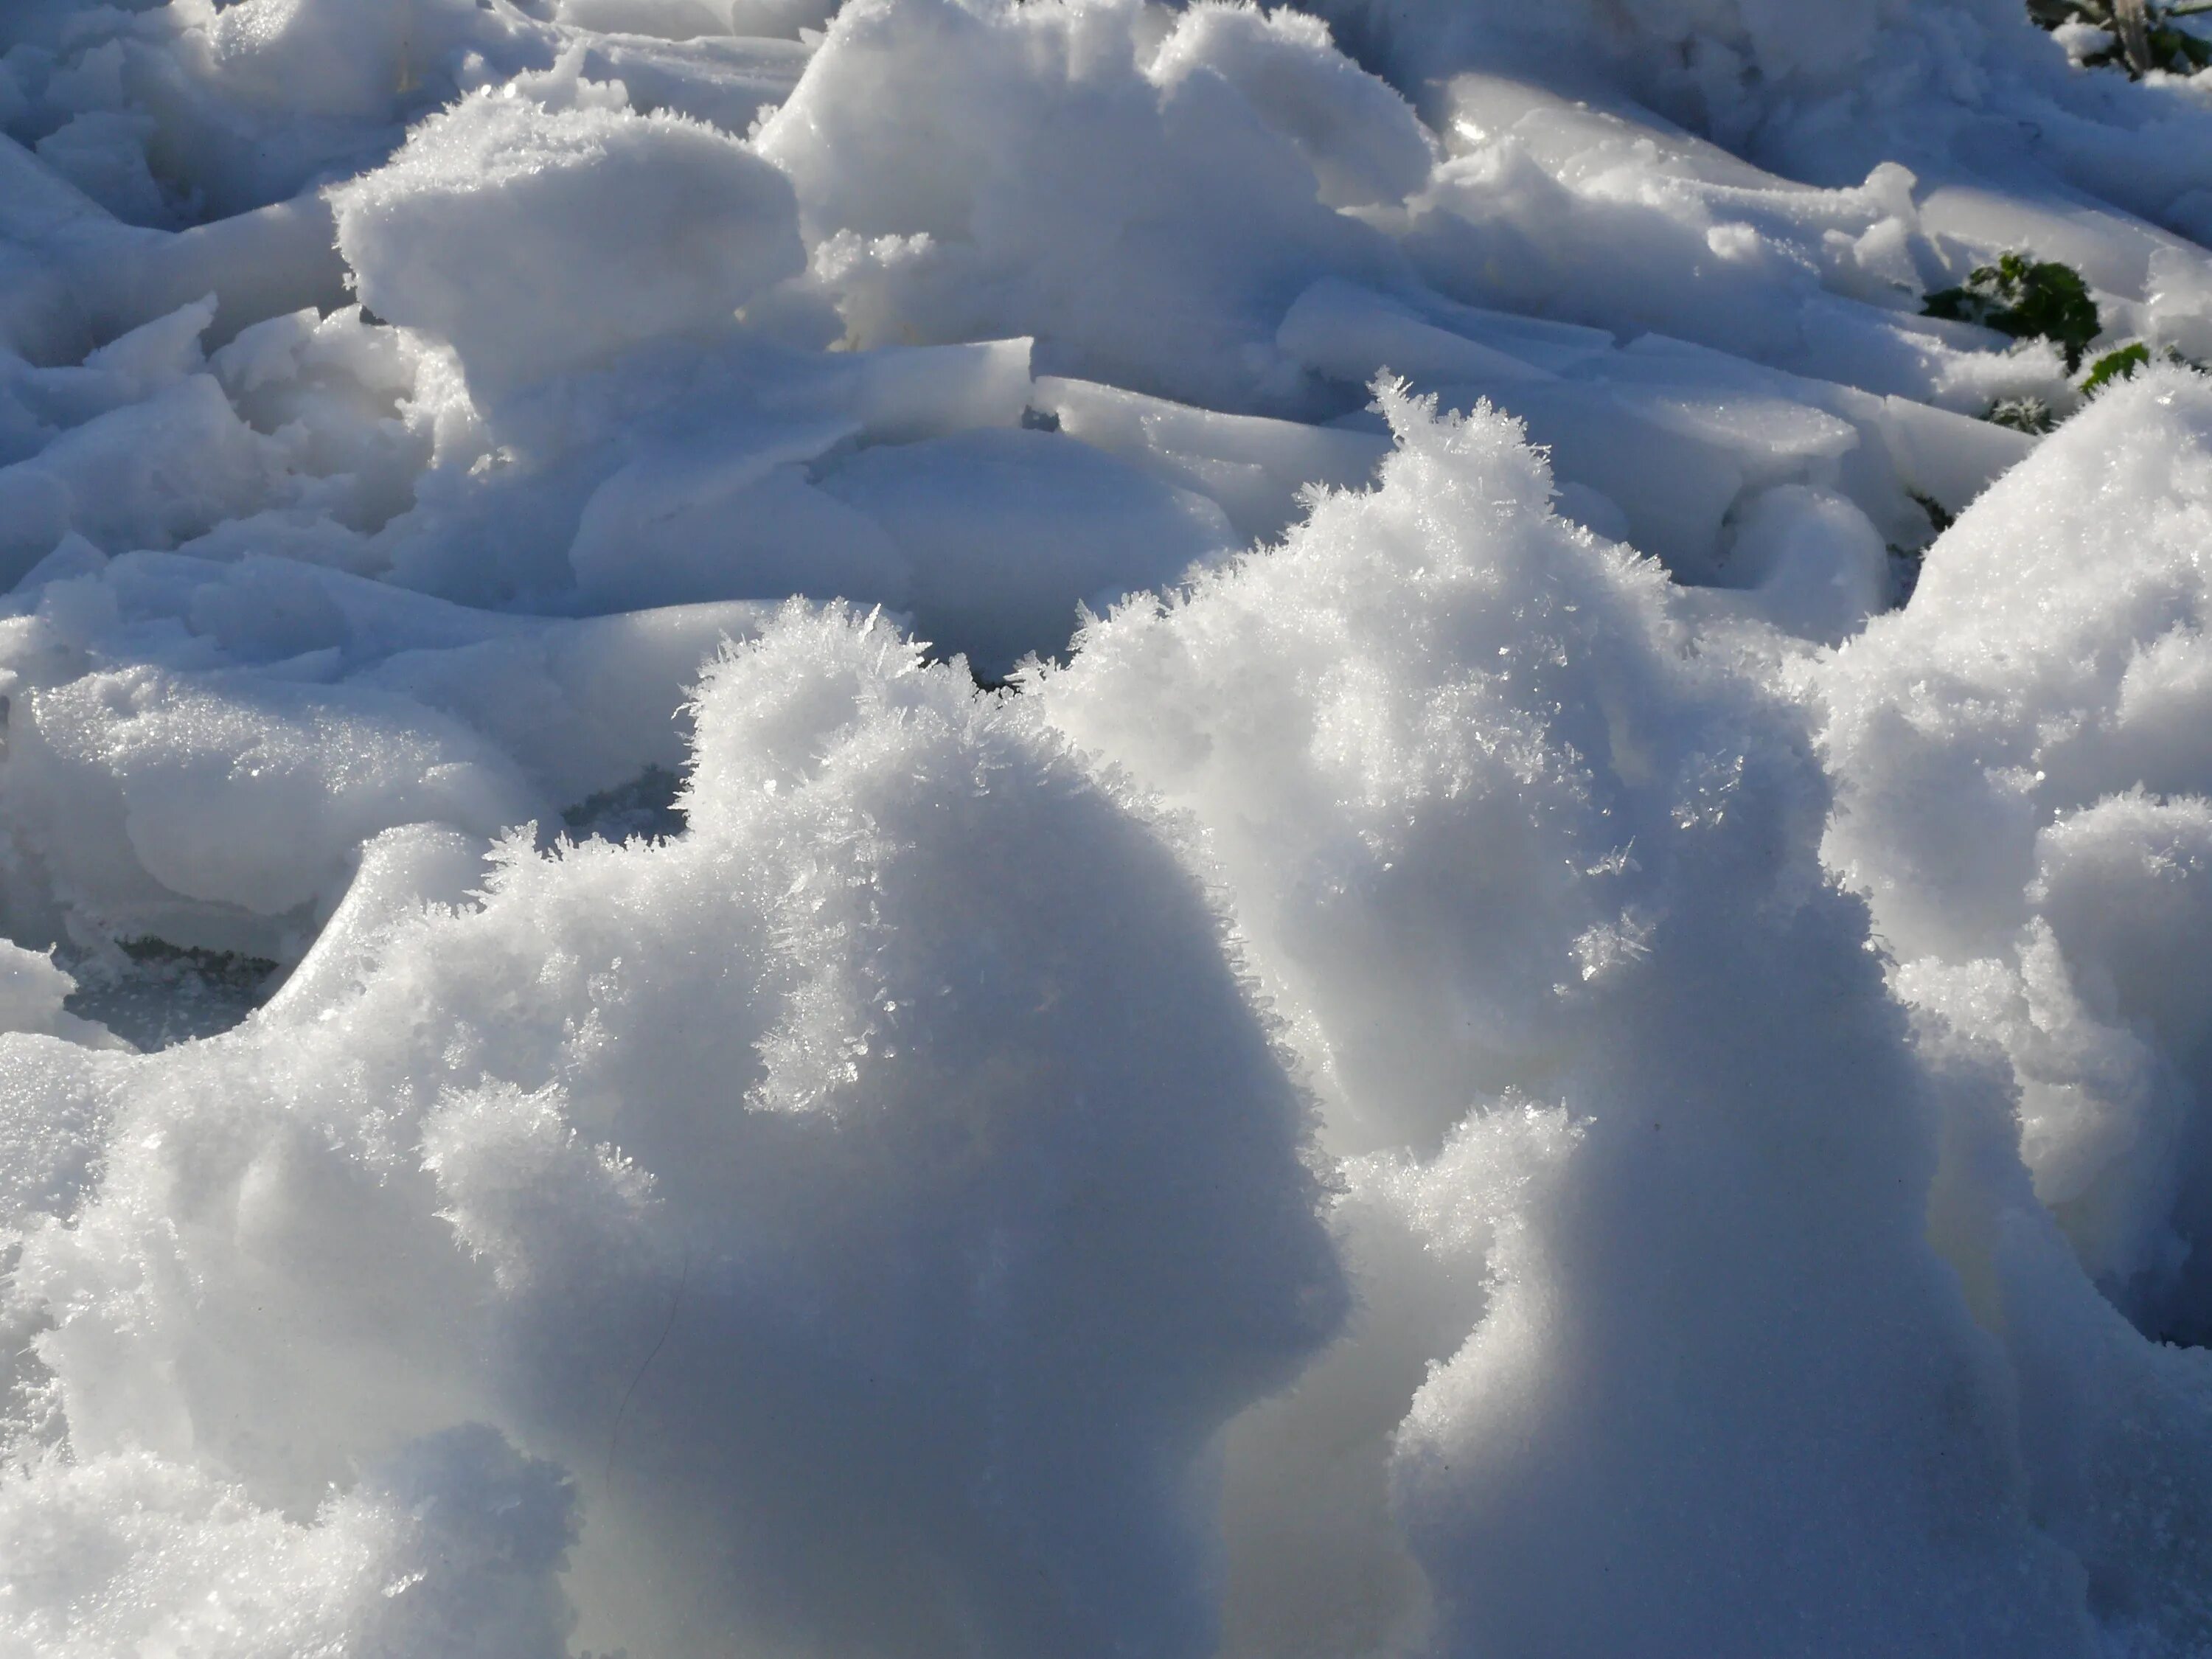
[162, 994]
[644, 808]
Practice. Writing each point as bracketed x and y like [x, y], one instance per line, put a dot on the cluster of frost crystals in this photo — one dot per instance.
[2024, 762]
[1537, 889]
[2022, 768]
[870, 1202]
[450, 1548]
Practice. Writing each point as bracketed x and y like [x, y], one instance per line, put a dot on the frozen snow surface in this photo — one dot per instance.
[956, 830]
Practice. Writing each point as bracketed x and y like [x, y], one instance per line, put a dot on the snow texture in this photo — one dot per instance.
[987, 828]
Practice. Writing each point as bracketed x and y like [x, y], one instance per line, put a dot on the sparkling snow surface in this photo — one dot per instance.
[950, 829]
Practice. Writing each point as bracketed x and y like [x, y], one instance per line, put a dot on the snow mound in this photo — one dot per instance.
[2023, 769]
[1496, 839]
[534, 242]
[1146, 207]
[871, 1201]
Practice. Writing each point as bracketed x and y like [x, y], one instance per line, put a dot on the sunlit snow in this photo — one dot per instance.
[987, 828]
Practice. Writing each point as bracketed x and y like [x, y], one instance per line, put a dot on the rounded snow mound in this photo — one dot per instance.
[536, 240]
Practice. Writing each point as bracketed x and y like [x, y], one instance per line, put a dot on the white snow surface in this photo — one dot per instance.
[971, 829]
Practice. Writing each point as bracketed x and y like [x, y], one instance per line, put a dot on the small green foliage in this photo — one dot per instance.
[2175, 51]
[2029, 414]
[2029, 300]
[2182, 52]
[2115, 365]
[2042, 299]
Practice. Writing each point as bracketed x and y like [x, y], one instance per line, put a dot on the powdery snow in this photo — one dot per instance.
[955, 828]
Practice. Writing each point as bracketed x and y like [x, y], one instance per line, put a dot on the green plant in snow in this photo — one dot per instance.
[2144, 35]
[2029, 300]
[2042, 299]
[2122, 365]
[1940, 517]
[2115, 365]
[2029, 414]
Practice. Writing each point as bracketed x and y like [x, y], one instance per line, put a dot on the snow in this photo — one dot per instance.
[833, 1096]
[1144, 207]
[2033, 820]
[536, 242]
[944, 827]
[1502, 842]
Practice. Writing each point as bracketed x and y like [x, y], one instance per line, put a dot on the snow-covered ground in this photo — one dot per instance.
[966, 830]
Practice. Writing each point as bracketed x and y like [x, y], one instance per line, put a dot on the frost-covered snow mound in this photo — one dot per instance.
[997, 828]
[871, 1201]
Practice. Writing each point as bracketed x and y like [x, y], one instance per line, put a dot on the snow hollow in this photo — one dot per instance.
[1090, 829]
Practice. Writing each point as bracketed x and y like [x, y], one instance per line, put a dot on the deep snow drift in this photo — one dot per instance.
[952, 828]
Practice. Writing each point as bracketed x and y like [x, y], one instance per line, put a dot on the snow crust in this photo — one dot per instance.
[953, 828]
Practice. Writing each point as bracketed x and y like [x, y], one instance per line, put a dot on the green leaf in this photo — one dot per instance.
[2029, 300]
[2115, 365]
